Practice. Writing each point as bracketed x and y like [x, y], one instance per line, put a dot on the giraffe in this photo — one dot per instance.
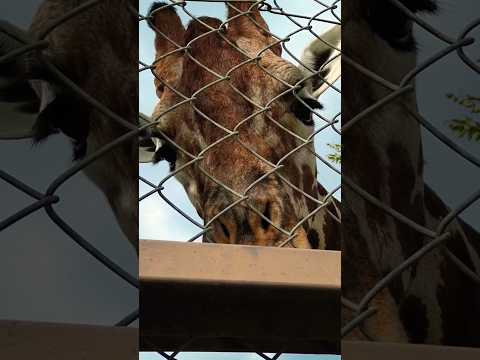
[100, 59]
[412, 309]
[433, 301]
[234, 102]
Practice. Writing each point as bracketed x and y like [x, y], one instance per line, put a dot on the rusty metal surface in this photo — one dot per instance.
[357, 350]
[211, 297]
[29, 340]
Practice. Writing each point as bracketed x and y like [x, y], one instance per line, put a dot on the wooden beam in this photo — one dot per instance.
[212, 297]
[22, 340]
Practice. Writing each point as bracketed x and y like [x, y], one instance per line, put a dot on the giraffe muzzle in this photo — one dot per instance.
[262, 220]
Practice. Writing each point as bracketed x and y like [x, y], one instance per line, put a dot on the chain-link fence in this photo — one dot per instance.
[263, 110]
[224, 77]
[447, 227]
[37, 57]
[437, 236]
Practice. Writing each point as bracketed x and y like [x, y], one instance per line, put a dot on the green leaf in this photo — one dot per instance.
[336, 156]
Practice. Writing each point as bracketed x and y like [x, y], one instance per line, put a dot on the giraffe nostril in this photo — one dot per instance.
[313, 238]
[268, 214]
[225, 230]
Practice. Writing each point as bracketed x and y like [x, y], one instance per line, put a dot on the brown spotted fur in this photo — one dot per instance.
[231, 162]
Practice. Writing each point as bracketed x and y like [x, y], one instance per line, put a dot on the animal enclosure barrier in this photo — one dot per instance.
[212, 297]
[24, 340]
[176, 327]
[19, 332]
[454, 45]
[45, 200]
[235, 135]
[435, 238]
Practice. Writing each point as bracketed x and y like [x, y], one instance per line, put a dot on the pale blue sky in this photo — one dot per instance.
[157, 219]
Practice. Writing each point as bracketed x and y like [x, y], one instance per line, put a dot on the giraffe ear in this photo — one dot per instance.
[18, 100]
[19, 105]
[15, 124]
[322, 58]
[169, 39]
[245, 20]
[152, 148]
[147, 144]
[146, 149]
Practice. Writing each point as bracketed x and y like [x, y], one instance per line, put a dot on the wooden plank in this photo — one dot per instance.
[21, 340]
[212, 297]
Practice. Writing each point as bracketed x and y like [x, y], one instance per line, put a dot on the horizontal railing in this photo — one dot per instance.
[212, 297]
[23, 340]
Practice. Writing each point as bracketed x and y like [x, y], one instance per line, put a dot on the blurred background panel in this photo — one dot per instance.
[451, 176]
[44, 275]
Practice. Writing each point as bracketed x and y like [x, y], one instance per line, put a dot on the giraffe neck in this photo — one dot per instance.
[326, 224]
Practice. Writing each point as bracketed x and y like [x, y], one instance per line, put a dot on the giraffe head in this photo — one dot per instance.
[231, 127]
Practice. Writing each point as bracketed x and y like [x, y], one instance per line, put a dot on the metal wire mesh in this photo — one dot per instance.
[437, 236]
[234, 133]
[326, 13]
[435, 239]
[46, 200]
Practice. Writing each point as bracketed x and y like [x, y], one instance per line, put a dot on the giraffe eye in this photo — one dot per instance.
[302, 109]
